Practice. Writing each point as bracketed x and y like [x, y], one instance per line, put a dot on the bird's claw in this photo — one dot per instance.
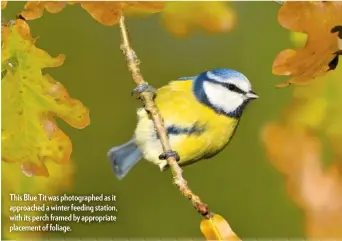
[167, 154]
[144, 88]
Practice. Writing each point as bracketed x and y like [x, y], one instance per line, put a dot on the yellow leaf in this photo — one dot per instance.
[180, 18]
[321, 21]
[3, 4]
[30, 135]
[295, 150]
[106, 12]
[292, 144]
[109, 13]
[34, 9]
[217, 228]
[141, 8]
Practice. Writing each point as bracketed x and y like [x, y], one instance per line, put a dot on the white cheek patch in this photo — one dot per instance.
[222, 98]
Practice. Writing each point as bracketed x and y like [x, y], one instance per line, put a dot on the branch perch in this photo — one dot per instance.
[147, 98]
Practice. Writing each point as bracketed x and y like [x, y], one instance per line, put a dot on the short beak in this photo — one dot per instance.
[252, 95]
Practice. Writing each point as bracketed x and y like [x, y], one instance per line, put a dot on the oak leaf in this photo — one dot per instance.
[34, 9]
[295, 149]
[180, 18]
[217, 228]
[322, 22]
[30, 100]
[141, 8]
[109, 13]
[106, 12]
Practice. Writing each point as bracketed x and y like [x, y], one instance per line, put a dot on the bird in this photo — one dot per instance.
[201, 114]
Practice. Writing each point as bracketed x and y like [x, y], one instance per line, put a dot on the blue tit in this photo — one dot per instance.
[201, 114]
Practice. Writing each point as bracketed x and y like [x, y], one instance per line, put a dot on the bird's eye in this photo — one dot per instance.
[231, 87]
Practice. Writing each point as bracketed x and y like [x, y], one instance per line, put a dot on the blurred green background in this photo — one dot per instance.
[239, 183]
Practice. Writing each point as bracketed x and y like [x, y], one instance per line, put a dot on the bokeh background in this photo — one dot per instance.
[240, 183]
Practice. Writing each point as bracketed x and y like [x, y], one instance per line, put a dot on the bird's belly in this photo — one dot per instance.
[150, 146]
[190, 148]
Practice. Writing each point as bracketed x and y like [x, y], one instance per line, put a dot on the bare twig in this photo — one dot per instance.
[147, 98]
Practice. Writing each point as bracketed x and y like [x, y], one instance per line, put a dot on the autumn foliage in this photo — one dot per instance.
[217, 228]
[35, 151]
[107, 13]
[320, 21]
[294, 144]
[30, 135]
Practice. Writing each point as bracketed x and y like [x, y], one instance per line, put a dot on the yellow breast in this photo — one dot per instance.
[207, 134]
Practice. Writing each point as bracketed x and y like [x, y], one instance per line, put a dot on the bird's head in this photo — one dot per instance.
[225, 90]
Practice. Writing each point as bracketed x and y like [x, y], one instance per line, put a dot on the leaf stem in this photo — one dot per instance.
[150, 107]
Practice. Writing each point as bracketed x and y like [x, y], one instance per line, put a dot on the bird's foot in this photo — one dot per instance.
[167, 154]
[144, 88]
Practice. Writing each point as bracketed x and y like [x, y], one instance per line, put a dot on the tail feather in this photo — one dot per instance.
[123, 158]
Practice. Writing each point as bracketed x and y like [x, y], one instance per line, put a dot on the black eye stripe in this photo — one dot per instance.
[231, 87]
